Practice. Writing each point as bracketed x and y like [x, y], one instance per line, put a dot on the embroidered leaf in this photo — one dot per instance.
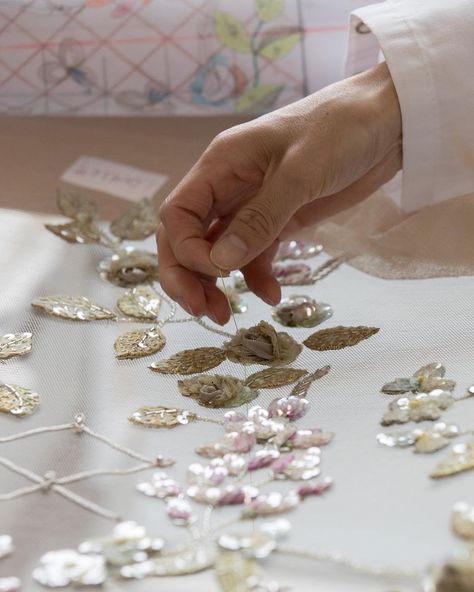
[161, 417]
[139, 343]
[301, 388]
[141, 303]
[235, 571]
[84, 232]
[274, 377]
[339, 337]
[76, 308]
[191, 361]
[260, 98]
[461, 458]
[17, 400]
[15, 344]
[75, 206]
[281, 46]
[137, 223]
[269, 9]
[231, 32]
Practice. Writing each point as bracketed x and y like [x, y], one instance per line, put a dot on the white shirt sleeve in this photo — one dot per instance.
[429, 49]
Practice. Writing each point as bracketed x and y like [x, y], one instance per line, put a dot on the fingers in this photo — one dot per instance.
[259, 278]
[185, 215]
[255, 226]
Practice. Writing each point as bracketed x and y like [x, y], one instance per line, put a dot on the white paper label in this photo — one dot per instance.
[114, 178]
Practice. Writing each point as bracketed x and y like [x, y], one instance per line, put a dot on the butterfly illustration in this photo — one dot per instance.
[153, 94]
[68, 65]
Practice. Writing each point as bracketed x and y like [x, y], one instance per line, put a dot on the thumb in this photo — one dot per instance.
[254, 228]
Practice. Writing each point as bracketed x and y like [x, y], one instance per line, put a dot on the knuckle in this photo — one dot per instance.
[258, 221]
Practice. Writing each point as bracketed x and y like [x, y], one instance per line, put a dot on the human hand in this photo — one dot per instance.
[266, 179]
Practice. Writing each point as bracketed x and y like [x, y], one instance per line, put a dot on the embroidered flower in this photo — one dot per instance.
[129, 267]
[217, 391]
[262, 344]
[420, 407]
[426, 379]
[68, 567]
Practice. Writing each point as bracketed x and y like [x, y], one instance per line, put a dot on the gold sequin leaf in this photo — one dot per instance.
[339, 337]
[141, 302]
[139, 343]
[274, 377]
[235, 571]
[76, 308]
[76, 207]
[137, 223]
[190, 361]
[301, 388]
[15, 344]
[461, 458]
[17, 400]
[83, 232]
[161, 417]
[463, 520]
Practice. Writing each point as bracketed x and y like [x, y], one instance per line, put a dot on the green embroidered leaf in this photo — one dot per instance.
[260, 98]
[231, 32]
[235, 571]
[268, 9]
[281, 46]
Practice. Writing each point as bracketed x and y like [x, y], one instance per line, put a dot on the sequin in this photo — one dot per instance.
[270, 504]
[217, 391]
[139, 343]
[137, 223]
[190, 361]
[461, 458]
[161, 486]
[291, 407]
[82, 232]
[68, 567]
[307, 438]
[298, 467]
[419, 407]
[75, 206]
[18, 400]
[179, 510]
[297, 249]
[424, 441]
[262, 344]
[317, 488]
[128, 543]
[338, 337]
[129, 267]
[75, 308]
[6, 545]
[301, 311]
[15, 344]
[293, 274]
[462, 520]
[426, 379]
[242, 441]
[229, 495]
[141, 302]
[10, 584]
[161, 417]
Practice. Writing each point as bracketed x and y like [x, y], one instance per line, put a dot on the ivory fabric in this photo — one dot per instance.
[428, 47]
[383, 510]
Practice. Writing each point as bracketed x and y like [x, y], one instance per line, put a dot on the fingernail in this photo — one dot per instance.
[228, 252]
[211, 314]
[187, 307]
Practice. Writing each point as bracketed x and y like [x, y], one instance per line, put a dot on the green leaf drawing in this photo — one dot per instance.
[231, 32]
[260, 98]
[268, 9]
[276, 48]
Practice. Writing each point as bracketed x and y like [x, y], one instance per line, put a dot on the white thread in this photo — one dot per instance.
[50, 482]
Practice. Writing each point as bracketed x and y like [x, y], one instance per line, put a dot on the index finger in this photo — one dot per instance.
[186, 214]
